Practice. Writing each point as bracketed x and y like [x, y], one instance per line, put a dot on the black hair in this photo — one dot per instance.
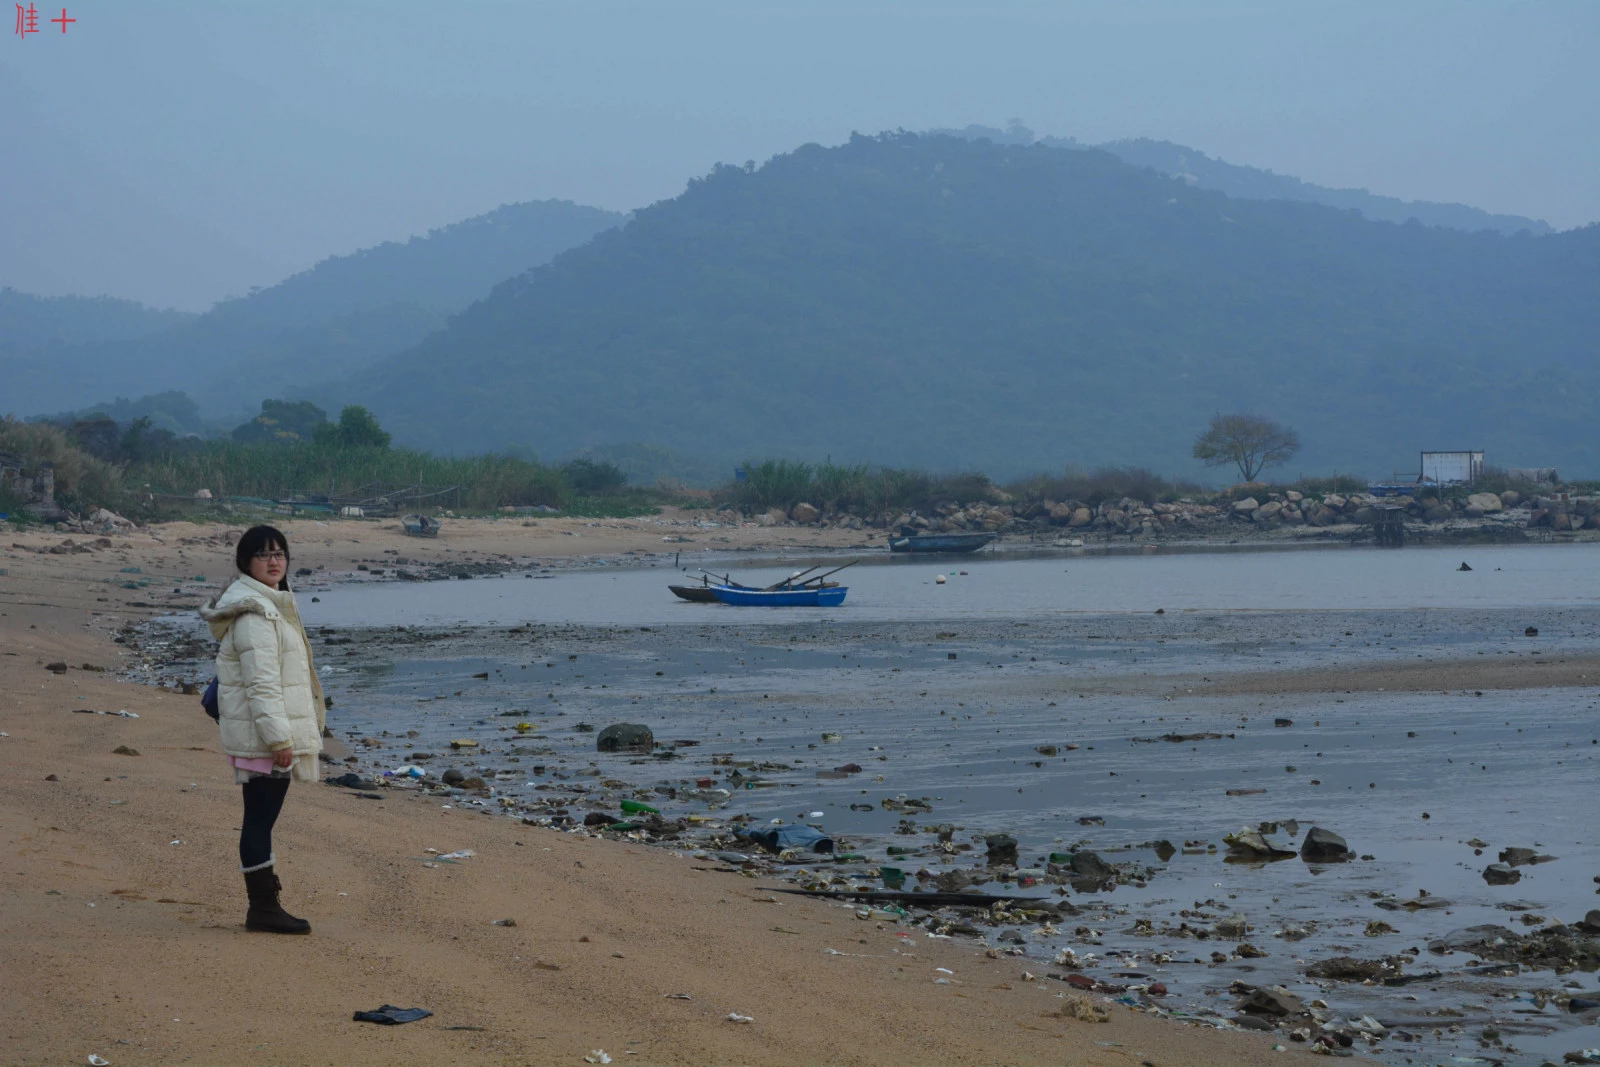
[261, 539]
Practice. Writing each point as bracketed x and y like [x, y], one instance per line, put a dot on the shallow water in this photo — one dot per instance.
[946, 692]
[893, 589]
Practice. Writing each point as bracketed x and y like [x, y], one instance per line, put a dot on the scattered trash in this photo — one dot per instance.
[786, 837]
[504, 922]
[389, 1015]
[735, 1017]
[597, 1056]
[98, 1061]
[464, 854]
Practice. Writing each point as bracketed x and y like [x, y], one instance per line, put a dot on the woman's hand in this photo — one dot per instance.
[284, 757]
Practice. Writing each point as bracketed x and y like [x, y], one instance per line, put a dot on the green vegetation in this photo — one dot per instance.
[1094, 487]
[861, 489]
[960, 304]
[268, 471]
[1250, 442]
[81, 481]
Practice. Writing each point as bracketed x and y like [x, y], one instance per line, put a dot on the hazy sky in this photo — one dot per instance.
[178, 152]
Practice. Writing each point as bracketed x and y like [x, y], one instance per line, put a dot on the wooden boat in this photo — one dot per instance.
[420, 526]
[702, 594]
[818, 596]
[943, 542]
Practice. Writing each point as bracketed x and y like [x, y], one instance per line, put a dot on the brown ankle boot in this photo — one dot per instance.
[265, 913]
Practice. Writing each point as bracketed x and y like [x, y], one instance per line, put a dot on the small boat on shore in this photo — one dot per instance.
[702, 594]
[817, 596]
[943, 542]
[420, 526]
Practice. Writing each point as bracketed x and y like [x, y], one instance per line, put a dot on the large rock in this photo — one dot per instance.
[804, 513]
[1324, 846]
[1501, 874]
[1060, 513]
[625, 737]
[1081, 517]
[1246, 506]
[1489, 502]
[1438, 513]
[1335, 501]
[1002, 850]
[1268, 511]
[1510, 498]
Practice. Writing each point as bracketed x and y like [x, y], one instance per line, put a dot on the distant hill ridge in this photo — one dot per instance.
[1254, 183]
[319, 324]
[941, 301]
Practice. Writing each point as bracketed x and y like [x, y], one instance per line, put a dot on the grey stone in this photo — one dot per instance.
[1002, 850]
[1324, 846]
[1501, 874]
[625, 736]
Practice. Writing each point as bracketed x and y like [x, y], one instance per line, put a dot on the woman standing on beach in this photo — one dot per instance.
[270, 708]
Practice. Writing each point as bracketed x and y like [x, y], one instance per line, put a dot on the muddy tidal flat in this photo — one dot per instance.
[1137, 784]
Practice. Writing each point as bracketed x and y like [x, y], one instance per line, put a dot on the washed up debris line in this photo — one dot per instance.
[925, 884]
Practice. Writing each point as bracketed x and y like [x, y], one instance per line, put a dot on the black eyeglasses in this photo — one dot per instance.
[272, 557]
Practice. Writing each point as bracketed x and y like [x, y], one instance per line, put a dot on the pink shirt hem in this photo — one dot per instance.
[260, 765]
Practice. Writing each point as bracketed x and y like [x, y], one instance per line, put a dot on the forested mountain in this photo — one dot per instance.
[30, 322]
[939, 301]
[340, 315]
[1253, 183]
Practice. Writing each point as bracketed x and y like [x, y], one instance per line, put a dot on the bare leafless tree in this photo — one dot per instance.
[1250, 442]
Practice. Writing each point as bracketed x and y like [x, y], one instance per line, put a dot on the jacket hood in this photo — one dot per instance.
[245, 596]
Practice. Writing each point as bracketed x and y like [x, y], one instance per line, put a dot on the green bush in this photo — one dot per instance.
[82, 482]
[1094, 487]
[275, 471]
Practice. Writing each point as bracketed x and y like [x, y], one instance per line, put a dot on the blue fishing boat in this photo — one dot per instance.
[794, 597]
[945, 542]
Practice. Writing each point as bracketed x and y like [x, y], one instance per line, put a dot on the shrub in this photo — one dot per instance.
[82, 482]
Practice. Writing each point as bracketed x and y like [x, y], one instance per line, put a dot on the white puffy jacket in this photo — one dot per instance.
[268, 695]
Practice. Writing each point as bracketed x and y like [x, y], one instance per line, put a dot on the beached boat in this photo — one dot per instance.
[795, 597]
[944, 542]
[420, 526]
[701, 594]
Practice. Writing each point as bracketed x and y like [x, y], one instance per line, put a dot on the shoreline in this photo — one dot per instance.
[606, 932]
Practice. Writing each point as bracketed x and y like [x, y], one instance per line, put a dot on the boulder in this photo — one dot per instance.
[625, 736]
[452, 777]
[202, 494]
[1501, 874]
[1510, 498]
[1489, 502]
[1060, 513]
[1473, 511]
[1081, 517]
[1293, 497]
[804, 513]
[1272, 1000]
[1324, 846]
[1002, 850]
[1590, 923]
[1246, 506]
[1291, 515]
[1438, 513]
[1335, 501]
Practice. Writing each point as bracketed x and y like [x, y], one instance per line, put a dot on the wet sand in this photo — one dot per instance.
[124, 944]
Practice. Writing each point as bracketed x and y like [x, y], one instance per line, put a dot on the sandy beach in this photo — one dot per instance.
[125, 909]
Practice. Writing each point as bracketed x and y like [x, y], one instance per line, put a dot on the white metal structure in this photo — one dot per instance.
[1452, 468]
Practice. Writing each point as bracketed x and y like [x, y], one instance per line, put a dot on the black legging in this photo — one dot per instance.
[263, 799]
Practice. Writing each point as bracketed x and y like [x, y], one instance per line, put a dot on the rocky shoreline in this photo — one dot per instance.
[1251, 508]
